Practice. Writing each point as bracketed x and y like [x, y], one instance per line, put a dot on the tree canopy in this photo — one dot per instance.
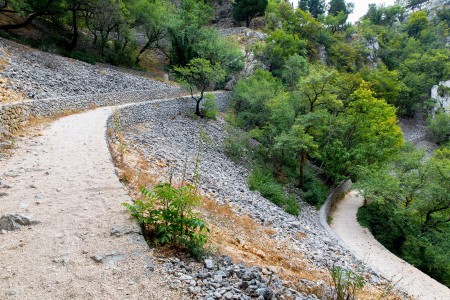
[246, 10]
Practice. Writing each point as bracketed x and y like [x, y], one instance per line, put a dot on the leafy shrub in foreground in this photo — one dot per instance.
[166, 214]
[346, 283]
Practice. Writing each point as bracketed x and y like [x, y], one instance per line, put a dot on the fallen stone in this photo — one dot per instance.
[62, 259]
[120, 231]
[11, 222]
[209, 264]
[149, 264]
[97, 258]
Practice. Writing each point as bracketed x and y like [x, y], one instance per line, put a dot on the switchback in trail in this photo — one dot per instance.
[369, 250]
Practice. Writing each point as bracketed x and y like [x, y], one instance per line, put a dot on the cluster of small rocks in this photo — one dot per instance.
[220, 278]
[39, 75]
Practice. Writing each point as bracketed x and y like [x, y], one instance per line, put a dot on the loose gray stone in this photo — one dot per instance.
[11, 222]
[97, 258]
[62, 259]
[209, 264]
[149, 264]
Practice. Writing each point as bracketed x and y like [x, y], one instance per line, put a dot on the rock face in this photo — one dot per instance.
[430, 6]
[14, 222]
[373, 46]
[441, 93]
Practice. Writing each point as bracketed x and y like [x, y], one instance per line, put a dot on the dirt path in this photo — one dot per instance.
[65, 179]
[369, 250]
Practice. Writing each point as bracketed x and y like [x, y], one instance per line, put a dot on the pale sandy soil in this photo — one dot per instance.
[65, 179]
[363, 244]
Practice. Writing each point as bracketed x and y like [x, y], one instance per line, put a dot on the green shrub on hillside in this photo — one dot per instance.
[209, 108]
[439, 127]
[261, 180]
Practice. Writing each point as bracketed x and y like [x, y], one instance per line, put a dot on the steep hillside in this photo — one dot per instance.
[37, 75]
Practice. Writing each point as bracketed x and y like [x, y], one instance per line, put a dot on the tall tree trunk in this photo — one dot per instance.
[197, 108]
[143, 49]
[302, 169]
[76, 34]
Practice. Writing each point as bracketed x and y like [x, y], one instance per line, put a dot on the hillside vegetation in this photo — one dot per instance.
[322, 102]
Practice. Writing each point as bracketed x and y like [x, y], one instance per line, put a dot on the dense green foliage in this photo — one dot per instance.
[167, 217]
[121, 31]
[325, 108]
[408, 208]
[262, 180]
[324, 119]
[209, 108]
[439, 127]
[315, 7]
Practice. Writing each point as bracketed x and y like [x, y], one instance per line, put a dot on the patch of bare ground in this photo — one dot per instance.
[32, 128]
[237, 236]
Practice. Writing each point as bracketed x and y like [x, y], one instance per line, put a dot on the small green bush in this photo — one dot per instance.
[262, 180]
[166, 215]
[346, 283]
[439, 127]
[316, 191]
[236, 144]
[83, 56]
[209, 107]
[291, 206]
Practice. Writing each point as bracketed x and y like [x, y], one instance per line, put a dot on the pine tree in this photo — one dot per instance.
[336, 6]
[315, 7]
[303, 4]
[246, 10]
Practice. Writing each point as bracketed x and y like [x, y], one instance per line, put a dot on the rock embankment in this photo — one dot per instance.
[51, 85]
[40, 75]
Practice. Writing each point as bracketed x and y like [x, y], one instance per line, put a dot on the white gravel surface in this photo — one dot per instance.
[369, 250]
[65, 180]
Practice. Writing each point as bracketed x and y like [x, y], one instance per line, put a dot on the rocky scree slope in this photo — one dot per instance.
[226, 181]
[38, 75]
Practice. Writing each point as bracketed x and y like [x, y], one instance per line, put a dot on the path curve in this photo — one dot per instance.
[65, 179]
[361, 242]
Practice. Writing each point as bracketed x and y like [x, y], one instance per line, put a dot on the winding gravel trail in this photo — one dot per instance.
[65, 179]
[366, 248]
